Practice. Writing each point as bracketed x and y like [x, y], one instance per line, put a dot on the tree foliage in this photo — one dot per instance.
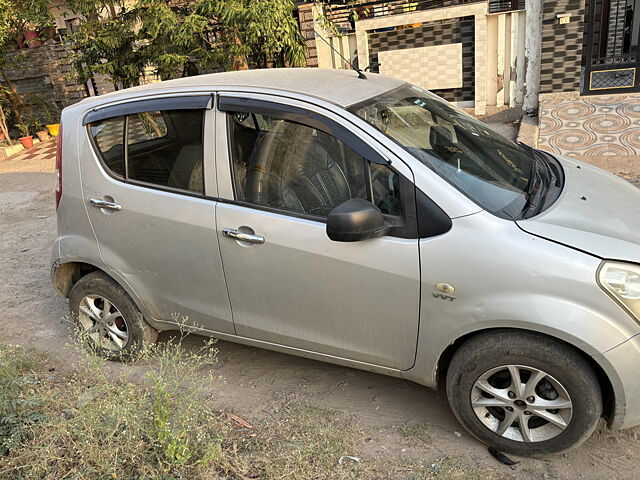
[16, 16]
[126, 39]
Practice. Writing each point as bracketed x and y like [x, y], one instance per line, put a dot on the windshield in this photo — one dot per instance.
[491, 170]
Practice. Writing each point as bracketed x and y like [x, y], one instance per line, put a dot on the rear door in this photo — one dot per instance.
[149, 185]
[281, 169]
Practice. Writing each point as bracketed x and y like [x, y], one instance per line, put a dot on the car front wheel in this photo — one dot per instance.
[522, 393]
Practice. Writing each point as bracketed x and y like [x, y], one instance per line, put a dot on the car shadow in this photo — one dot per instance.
[256, 380]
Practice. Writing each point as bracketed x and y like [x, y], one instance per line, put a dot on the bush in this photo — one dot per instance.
[20, 407]
[152, 420]
[88, 425]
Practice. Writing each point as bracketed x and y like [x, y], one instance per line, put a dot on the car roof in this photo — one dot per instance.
[341, 87]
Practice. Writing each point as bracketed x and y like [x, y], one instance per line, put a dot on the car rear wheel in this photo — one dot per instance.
[107, 319]
[523, 393]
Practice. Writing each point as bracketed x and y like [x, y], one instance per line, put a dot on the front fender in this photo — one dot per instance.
[506, 278]
[590, 331]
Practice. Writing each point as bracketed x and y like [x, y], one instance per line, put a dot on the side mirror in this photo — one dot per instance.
[355, 220]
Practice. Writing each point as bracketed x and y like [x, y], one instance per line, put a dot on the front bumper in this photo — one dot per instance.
[621, 366]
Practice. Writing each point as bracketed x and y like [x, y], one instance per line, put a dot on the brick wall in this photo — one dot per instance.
[41, 76]
[306, 19]
[561, 60]
[440, 32]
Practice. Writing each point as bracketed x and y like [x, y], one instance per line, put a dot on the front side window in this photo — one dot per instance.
[289, 166]
[163, 148]
[385, 189]
[496, 173]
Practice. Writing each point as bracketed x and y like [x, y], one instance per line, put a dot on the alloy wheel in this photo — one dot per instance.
[521, 403]
[103, 323]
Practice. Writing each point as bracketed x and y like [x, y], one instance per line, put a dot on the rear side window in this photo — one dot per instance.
[146, 126]
[163, 148]
[108, 138]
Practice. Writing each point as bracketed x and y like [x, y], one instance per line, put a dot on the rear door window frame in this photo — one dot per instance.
[199, 102]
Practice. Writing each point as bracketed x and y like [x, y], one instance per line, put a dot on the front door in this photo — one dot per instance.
[157, 227]
[288, 283]
[612, 47]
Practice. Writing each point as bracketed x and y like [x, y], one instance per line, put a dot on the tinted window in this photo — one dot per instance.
[289, 166]
[108, 137]
[165, 148]
[146, 126]
[493, 171]
[385, 188]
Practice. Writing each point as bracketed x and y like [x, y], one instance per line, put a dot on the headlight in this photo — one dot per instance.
[622, 282]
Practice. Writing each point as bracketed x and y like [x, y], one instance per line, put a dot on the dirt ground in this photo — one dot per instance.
[258, 382]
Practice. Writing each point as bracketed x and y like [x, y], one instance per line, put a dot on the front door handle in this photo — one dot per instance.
[243, 237]
[98, 203]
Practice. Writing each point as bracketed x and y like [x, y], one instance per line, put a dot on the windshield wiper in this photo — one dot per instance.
[541, 176]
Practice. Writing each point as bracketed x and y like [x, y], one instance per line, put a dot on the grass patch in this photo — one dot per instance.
[416, 433]
[87, 425]
[307, 442]
[90, 424]
[454, 469]
[20, 407]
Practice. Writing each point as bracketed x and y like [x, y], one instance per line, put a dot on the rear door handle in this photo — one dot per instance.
[98, 203]
[243, 237]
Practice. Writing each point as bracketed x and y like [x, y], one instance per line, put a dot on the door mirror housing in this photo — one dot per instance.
[355, 220]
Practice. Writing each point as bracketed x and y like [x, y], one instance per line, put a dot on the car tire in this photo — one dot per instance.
[107, 319]
[485, 399]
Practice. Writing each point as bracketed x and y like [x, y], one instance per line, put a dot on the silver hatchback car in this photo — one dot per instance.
[363, 222]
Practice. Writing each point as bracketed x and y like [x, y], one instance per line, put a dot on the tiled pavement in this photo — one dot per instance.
[591, 125]
[45, 151]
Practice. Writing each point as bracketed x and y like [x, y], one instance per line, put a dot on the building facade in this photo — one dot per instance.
[611, 46]
[476, 52]
[470, 52]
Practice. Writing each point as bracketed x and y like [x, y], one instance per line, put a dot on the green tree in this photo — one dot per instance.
[106, 41]
[263, 30]
[125, 39]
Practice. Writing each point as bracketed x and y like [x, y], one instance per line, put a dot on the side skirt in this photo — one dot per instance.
[322, 357]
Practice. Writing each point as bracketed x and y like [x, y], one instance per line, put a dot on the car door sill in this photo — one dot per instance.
[323, 357]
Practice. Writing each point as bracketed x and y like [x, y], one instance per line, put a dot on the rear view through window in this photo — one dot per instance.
[108, 138]
[163, 148]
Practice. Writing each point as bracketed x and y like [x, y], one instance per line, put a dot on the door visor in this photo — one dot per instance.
[190, 102]
[302, 116]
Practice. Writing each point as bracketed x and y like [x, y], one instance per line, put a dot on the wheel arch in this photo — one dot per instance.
[64, 275]
[606, 387]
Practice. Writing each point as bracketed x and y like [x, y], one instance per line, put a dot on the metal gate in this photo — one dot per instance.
[611, 61]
